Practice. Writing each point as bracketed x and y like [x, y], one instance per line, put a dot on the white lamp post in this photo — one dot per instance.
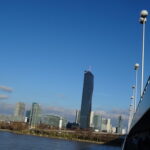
[136, 67]
[133, 98]
[131, 112]
[143, 19]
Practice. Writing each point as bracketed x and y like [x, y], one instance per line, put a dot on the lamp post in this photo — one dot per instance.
[129, 121]
[133, 98]
[131, 112]
[131, 109]
[136, 67]
[143, 19]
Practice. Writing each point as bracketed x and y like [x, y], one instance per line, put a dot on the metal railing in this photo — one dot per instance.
[145, 89]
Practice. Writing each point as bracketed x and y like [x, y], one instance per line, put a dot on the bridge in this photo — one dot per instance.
[138, 137]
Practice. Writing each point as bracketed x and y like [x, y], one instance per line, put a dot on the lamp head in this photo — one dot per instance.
[142, 20]
[136, 66]
[144, 13]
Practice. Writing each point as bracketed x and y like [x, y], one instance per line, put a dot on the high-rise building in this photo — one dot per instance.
[86, 103]
[28, 112]
[119, 127]
[19, 112]
[96, 121]
[35, 115]
[91, 119]
[27, 116]
[105, 125]
[77, 117]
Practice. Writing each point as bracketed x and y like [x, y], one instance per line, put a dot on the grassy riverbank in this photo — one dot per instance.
[81, 136]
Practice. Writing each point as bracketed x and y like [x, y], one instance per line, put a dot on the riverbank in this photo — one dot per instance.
[19, 142]
[80, 136]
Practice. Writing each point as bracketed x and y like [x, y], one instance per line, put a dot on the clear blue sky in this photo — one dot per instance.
[47, 44]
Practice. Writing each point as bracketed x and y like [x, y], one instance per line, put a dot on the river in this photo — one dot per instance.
[11, 141]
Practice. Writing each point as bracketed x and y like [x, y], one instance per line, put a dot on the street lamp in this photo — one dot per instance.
[133, 96]
[143, 19]
[131, 112]
[136, 67]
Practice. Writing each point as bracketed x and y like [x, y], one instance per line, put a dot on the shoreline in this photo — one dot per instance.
[27, 132]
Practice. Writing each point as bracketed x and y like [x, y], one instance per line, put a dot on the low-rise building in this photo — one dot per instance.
[54, 121]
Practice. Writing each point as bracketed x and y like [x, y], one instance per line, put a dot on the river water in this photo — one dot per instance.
[11, 141]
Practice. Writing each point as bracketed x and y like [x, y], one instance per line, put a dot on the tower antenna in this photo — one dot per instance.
[90, 68]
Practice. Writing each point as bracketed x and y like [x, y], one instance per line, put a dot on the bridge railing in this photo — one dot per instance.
[143, 105]
[145, 89]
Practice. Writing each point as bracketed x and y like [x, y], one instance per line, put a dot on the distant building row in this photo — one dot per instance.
[98, 123]
[34, 117]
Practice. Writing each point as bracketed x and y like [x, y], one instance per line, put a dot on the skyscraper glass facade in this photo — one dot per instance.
[35, 115]
[86, 100]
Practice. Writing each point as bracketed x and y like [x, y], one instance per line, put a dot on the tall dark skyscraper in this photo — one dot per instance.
[86, 100]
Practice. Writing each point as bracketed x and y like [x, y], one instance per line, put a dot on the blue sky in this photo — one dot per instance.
[47, 44]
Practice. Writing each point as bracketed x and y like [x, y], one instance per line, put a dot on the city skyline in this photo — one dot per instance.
[46, 47]
[36, 115]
